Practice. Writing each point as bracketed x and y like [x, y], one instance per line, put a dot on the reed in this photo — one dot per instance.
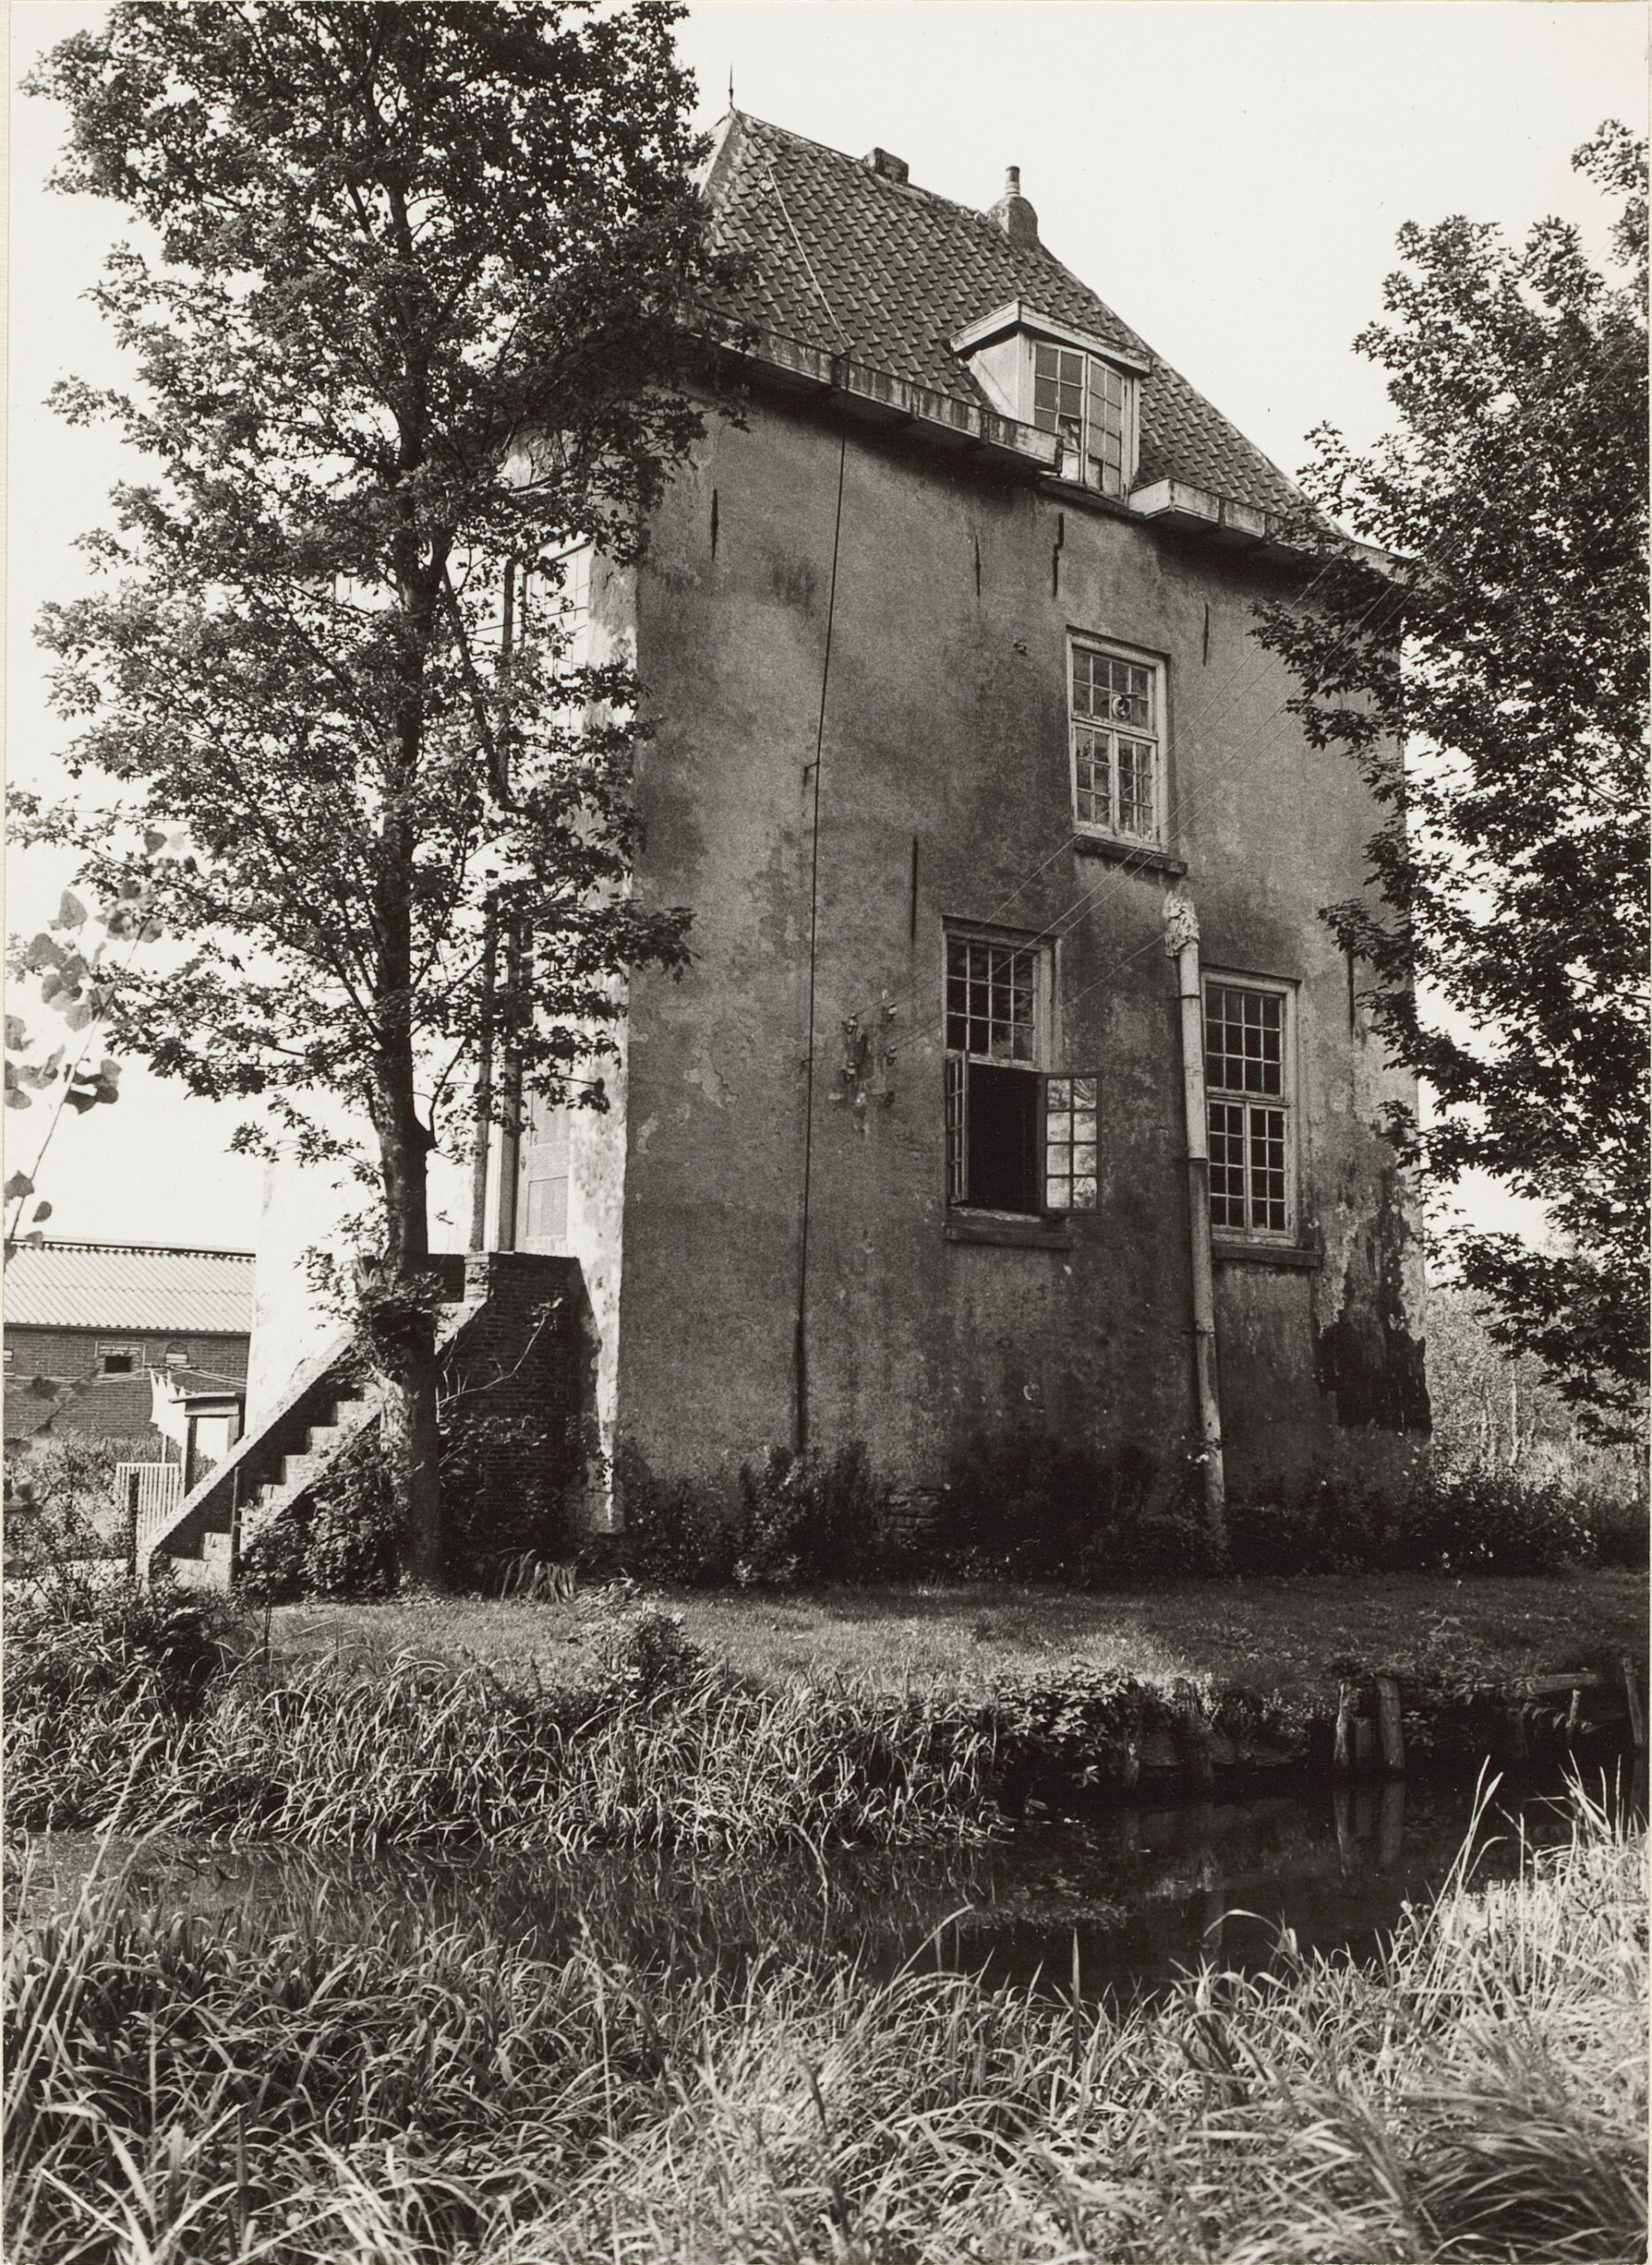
[352, 2082]
[673, 1753]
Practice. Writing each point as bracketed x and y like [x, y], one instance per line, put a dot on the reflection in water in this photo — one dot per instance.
[1131, 1895]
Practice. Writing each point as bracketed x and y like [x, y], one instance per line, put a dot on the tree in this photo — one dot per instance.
[412, 336]
[1505, 933]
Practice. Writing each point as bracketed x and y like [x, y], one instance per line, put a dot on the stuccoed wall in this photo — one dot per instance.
[945, 725]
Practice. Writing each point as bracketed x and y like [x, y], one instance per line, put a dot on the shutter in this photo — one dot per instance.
[957, 1128]
[1069, 1127]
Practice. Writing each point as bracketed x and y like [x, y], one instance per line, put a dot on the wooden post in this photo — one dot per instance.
[1389, 1718]
[1342, 1753]
[1631, 1699]
[1518, 1749]
[1574, 1713]
[1391, 1826]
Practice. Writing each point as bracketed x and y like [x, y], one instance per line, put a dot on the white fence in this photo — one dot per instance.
[149, 1494]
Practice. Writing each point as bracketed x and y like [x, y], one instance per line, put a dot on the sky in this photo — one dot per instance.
[1229, 175]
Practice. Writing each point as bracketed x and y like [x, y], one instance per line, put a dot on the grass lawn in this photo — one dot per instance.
[1265, 1635]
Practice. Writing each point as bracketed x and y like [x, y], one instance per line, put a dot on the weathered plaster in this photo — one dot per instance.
[945, 724]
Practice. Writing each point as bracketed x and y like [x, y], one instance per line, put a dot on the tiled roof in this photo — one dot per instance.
[845, 260]
[129, 1285]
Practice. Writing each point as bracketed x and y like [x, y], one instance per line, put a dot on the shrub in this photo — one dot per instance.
[1028, 1507]
[788, 1517]
[1443, 1520]
[76, 1646]
[503, 1494]
[502, 1502]
[60, 1506]
[340, 1540]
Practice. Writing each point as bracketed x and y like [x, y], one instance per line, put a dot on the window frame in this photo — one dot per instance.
[1042, 951]
[119, 1350]
[1091, 469]
[1156, 733]
[1285, 1102]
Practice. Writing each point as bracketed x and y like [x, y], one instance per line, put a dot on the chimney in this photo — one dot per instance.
[880, 161]
[1014, 215]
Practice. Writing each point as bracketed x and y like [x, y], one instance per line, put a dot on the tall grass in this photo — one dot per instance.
[397, 2091]
[666, 1749]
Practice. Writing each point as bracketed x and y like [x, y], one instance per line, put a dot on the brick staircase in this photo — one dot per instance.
[324, 1407]
[493, 1332]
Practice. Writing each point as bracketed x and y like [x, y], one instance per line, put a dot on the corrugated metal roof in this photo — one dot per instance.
[129, 1285]
[844, 258]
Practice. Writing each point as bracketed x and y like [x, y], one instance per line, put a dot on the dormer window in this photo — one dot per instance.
[1085, 403]
[1060, 380]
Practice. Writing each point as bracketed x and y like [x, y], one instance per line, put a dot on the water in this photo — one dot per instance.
[1144, 1892]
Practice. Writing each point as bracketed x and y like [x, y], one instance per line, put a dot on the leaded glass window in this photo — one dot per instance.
[1088, 404]
[1019, 1138]
[1069, 1144]
[1247, 1075]
[1116, 734]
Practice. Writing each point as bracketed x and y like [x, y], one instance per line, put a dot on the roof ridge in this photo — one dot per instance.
[136, 1250]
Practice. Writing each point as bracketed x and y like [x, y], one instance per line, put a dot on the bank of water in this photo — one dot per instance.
[1135, 1894]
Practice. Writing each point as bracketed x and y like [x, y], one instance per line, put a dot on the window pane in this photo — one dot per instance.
[1135, 787]
[1069, 1144]
[1090, 777]
[1267, 1169]
[991, 1001]
[1244, 1039]
[1227, 1165]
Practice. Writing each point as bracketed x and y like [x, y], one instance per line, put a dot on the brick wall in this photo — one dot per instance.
[530, 1351]
[54, 1381]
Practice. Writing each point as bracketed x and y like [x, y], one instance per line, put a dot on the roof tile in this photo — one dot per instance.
[843, 258]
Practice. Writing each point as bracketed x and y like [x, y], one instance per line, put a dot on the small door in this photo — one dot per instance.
[210, 1439]
[543, 1206]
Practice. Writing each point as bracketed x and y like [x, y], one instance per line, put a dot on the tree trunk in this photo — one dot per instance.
[407, 1344]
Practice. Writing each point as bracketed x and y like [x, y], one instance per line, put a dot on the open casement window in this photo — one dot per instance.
[1090, 407]
[1020, 1138]
[1117, 707]
[1251, 1107]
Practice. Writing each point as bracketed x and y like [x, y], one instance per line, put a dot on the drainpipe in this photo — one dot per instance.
[1181, 943]
[485, 1079]
[511, 1096]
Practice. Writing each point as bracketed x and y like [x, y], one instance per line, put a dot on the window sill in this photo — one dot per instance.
[1021, 1232]
[1226, 1251]
[1143, 856]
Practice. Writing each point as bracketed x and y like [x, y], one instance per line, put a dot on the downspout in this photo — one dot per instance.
[510, 1098]
[1181, 943]
[484, 1078]
[800, 1339]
